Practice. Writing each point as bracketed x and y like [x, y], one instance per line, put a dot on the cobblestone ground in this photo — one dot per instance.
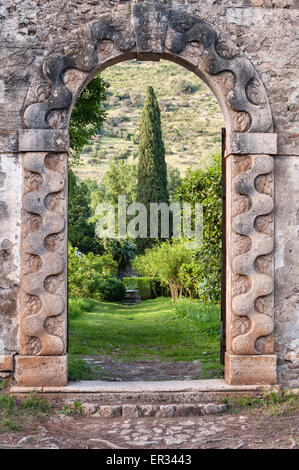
[236, 431]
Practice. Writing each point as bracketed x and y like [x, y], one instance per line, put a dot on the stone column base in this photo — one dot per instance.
[41, 371]
[6, 363]
[250, 370]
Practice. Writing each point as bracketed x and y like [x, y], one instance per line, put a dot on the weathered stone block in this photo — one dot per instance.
[108, 411]
[211, 409]
[6, 362]
[250, 370]
[168, 410]
[189, 410]
[41, 371]
[89, 409]
[131, 411]
[251, 143]
[43, 140]
[149, 410]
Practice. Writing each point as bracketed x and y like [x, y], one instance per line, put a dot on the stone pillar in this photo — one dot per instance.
[250, 357]
[42, 359]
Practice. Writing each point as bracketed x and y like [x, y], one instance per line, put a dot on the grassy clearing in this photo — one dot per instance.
[205, 315]
[270, 404]
[146, 331]
[13, 414]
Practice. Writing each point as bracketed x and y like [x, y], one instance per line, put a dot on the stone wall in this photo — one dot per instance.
[10, 208]
[265, 30]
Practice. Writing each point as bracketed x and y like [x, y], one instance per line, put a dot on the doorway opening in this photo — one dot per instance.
[132, 315]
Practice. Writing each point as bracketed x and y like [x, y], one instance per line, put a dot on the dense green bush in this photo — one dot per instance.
[79, 305]
[143, 284]
[130, 282]
[110, 289]
[202, 276]
[86, 272]
[81, 232]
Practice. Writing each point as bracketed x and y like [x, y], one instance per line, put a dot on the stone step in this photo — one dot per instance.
[146, 410]
[132, 296]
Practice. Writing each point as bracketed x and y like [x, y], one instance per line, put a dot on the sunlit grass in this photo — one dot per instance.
[150, 330]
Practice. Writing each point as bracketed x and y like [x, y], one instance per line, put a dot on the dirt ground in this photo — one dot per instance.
[231, 430]
[153, 370]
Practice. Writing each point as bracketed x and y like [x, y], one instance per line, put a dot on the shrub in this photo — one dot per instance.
[163, 262]
[186, 88]
[130, 282]
[202, 275]
[86, 271]
[111, 289]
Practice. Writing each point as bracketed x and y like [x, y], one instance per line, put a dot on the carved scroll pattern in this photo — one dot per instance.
[252, 265]
[43, 308]
[151, 27]
[218, 58]
[50, 93]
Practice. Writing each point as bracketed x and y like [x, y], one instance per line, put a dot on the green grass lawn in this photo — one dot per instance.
[149, 330]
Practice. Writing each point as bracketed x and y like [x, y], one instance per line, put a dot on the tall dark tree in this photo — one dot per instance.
[152, 169]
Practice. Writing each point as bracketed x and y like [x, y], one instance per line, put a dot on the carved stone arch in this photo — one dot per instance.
[152, 32]
[149, 31]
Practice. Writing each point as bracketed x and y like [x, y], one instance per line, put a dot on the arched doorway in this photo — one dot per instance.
[148, 32]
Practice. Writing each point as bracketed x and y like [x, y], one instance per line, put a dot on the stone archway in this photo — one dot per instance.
[148, 31]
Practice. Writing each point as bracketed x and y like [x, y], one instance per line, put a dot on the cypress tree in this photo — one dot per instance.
[152, 168]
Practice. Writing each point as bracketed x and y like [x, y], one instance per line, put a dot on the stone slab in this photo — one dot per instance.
[6, 362]
[85, 386]
[239, 143]
[43, 140]
[251, 370]
[41, 371]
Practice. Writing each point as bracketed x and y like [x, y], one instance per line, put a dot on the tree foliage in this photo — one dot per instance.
[119, 179]
[86, 120]
[164, 262]
[203, 274]
[81, 230]
[88, 114]
[123, 252]
[87, 270]
[173, 181]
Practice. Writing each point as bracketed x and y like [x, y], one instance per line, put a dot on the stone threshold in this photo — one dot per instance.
[170, 386]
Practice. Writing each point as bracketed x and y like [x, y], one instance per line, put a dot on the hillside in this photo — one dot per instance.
[190, 114]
